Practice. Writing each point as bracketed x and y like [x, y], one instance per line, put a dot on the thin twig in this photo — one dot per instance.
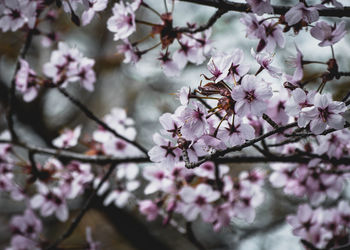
[69, 155]
[206, 26]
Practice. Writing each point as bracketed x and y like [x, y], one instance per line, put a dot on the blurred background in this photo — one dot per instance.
[145, 92]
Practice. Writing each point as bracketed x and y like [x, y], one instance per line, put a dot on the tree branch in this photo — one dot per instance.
[65, 154]
[280, 10]
[220, 153]
[210, 23]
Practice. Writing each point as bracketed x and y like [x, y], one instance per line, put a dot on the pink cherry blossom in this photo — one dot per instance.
[26, 81]
[273, 37]
[131, 55]
[93, 7]
[148, 208]
[69, 138]
[324, 112]
[194, 121]
[165, 151]
[301, 12]
[327, 34]
[250, 96]
[304, 221]
[265, 60]
[86, 73]
[50, 202]
[254, 28]
[260, 6]
[189, 52]
[159, 179]
[219, 66]
[169, 66]
[235, 133]
[16, 13]
[198, 201]
[122, 23]
[237, 68]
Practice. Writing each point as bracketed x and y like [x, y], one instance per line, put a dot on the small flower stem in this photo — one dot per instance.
[141, 40]
[309, 62]
[204, 97]
[217, 129]
[332, 49]
[145, 22]
[149, 49]
[165, 6]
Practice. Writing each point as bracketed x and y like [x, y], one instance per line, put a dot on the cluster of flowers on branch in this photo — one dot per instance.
[267, 115]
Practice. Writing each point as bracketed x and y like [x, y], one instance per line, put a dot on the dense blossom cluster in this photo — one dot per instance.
[323, 228]
[207, 192]
[193, 48]
[300, 130]
[66, 65]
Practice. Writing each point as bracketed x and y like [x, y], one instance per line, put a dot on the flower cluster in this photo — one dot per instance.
[66, 65]
[207, 191]
[26, 231]
[51, 197]
[301, 131]
[193, 48]
[323, 228]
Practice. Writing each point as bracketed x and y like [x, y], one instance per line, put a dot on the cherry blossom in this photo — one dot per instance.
[324, 112]
[130, 55]
[189, 52]
[122, 23]
[250, 96]
[301, 12]
[93, 7]
[260, 6]
[50, 202]
[26, 81]
[69, 138]
[148, 208]
[69, 65]
[194, 121]
[236, 132]
[327, 34]
[16, 13]
[197, 201]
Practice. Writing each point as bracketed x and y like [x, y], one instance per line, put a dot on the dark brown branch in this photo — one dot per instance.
[280, 10]
[68, 155]
[9, 115]
[206, 26]
[270, 121]
[82, 212]
[281, 158]
[93, 117]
